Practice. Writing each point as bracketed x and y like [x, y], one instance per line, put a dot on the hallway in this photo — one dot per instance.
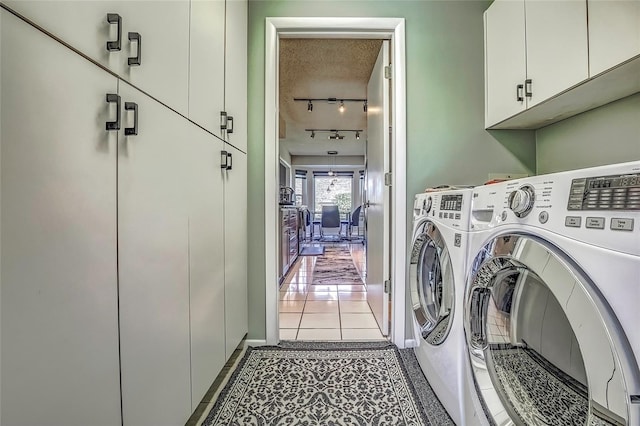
[326, 312]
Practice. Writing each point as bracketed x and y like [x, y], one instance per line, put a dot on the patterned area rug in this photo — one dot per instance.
[336, 266]
[323, 383]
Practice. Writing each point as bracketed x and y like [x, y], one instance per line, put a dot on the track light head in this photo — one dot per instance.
[341, 107]
[364, 106]
[357, 135]
[310, 107]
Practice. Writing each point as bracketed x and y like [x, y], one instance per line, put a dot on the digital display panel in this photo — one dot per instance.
[451, 202]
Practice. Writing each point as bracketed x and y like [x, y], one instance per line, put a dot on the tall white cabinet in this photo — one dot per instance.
[123, 243]
[59, 324]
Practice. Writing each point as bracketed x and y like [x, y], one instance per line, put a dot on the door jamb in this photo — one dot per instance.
[383, 28]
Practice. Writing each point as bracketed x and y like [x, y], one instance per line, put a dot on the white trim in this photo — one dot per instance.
[390, 28]
[254, 342]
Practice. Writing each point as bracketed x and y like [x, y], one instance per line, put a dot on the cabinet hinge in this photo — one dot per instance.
[387, 72]
[387, 179]
[387, 286]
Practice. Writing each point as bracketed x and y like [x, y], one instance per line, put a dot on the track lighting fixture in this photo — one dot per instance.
[341, 106]
[334, 133]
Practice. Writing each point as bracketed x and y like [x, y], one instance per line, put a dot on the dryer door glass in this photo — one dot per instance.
[541, 348]
[432, 286]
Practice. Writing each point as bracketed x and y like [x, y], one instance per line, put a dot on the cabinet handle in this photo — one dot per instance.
[527, 88]
[223, 120]
[114, 18]
[224, 162]
[229, 124]
[114, 125]
[136, 60]
[132, 106]
[230, 165]
[519, 89]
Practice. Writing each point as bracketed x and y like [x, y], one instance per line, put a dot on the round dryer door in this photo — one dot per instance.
[543, 347]
[432, 286]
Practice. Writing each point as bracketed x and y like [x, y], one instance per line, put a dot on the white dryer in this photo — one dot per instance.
[436, 271]
[552, 299]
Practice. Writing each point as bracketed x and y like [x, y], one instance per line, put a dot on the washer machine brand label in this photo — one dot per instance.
[457, 240]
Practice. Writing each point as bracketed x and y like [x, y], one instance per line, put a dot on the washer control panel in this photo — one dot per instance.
[614, 192]
[451, 202]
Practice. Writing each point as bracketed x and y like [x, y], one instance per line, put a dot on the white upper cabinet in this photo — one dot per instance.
[614, 33]
[505, 60]
[218, 75]
[235, 97]
[557, 57]
[162, 26]
[206, 83]
[533, 50]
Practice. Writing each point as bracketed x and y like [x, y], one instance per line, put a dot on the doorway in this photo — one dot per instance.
[371, 28]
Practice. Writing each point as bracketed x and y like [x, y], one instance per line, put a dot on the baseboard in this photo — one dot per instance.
[410, 343]
[255, 342]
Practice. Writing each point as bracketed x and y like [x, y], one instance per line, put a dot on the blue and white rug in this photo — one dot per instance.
[320, 383]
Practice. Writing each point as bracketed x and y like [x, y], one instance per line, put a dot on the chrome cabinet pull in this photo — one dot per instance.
[527, 88]
[230, 164]
[224, 160]
[114, 18]
[519, 89]
[229, 124]
[136, 60]
[132, 106]
[114, 125]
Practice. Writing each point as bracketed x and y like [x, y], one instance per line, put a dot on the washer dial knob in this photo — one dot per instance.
[426, 205]
[521, 200]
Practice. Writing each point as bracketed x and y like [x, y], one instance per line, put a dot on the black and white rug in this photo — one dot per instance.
[321, 383]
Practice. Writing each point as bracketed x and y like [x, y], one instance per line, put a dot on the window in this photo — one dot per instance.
[333, 190]
[300, 187]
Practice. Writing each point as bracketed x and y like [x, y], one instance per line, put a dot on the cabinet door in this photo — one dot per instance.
[58, 244]
[235, 241]
[235, 98]
[206, 82]
[164, 69]
[163, 26]
[153, 256]
[505, 61]
[206, 259]
[614, 33]
[557, 57]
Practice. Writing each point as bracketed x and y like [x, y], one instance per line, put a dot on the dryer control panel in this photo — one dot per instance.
[614, 192]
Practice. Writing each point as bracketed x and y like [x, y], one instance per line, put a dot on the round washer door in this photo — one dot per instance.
[432, 285]
[543, 347]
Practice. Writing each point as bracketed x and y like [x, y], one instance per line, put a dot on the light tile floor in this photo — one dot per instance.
[325, 312]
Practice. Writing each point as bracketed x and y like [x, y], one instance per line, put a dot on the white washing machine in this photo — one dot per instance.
[552, 301]
[437, 265]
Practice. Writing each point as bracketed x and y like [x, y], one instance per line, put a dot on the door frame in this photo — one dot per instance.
[364, 28]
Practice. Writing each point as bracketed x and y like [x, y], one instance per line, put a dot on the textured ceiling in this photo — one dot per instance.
[324, 68]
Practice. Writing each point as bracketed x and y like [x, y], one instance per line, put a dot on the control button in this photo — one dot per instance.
[595, 222]
[503, 216]
[543, 217]
[573, 221]
[457, 215]
[621, 224]
[440, 215]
